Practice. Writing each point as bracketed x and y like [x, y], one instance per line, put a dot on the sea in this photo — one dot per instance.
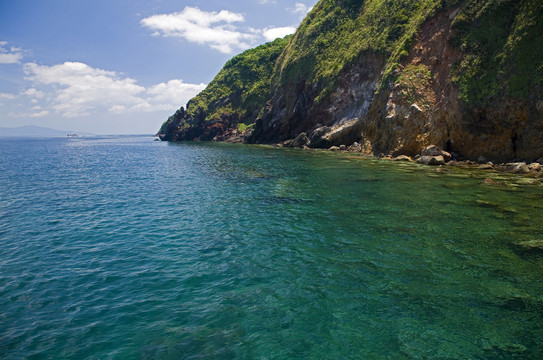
[122, 247]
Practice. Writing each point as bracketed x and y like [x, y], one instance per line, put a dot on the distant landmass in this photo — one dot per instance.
[34, 131]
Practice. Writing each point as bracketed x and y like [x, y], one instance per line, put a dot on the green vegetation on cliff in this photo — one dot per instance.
[237, 94]
[501, 41]
[336, 33]
[242, 86]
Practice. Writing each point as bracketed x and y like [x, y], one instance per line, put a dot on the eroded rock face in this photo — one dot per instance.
[420, 107]
[333, 121]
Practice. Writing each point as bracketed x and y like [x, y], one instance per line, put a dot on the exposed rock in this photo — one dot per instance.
[355, 147]
[316, 136]
[432, 160]
[342, 147]
[334, 148]
[298, 142]
[433, 150]
[402, 158]
[415, 109]
[517, 168]
[535, 166]
[485, 167]
[337, 135]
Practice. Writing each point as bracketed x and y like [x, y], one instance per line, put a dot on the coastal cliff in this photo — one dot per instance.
[386, 77]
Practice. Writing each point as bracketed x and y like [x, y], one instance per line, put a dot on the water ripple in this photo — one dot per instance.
[121, 247]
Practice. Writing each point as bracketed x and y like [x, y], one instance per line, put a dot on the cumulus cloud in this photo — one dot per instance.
[301, 9]
[32, 92]
[173, 93]
[7, 96]
[78, 89]
[278, 32]
[83, 88]
[11, 55]
[215, 29]
[39, 114]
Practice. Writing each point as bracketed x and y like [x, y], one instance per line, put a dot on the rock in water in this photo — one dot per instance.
[433, 150]
[432, 160]
[517, 168]
[402, 158]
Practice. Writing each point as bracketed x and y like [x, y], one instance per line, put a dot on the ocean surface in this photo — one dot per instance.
[128, 248]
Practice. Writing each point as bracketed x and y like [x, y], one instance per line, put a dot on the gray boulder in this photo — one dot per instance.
[432, 160]
[517, 168]
[298, 142]
[432, 150]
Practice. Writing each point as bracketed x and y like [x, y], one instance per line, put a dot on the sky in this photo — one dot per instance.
[123, 66]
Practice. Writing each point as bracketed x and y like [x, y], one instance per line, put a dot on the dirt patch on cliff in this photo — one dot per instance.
[434, 49]
[424, 107]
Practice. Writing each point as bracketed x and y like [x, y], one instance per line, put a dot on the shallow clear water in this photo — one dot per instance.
[126, 248]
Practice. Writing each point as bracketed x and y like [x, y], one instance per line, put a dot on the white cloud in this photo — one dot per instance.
[39, 114]
[33, 93]
[267, 1]
[215, 29]
[278, 32]
[77, 89]
[12, 55]
[301, 9]
[7, 96]
[173, 93]
[83, 88]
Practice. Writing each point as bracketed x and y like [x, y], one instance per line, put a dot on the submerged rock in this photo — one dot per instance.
[536, 244]
[491, 182]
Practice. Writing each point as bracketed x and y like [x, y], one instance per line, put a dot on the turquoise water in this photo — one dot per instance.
[126, 248]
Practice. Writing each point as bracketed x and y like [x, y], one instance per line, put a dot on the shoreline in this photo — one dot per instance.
[430, 157]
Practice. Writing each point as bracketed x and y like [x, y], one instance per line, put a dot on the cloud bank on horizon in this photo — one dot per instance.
[75, 89]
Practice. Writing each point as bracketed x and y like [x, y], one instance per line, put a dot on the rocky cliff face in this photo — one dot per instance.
[461, 75]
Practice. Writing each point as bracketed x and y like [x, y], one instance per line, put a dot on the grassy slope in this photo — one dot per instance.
[239, 90]
[502, 43]
[502, 46]
[337, 32]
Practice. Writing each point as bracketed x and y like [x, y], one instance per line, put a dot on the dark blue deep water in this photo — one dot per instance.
[126, 248]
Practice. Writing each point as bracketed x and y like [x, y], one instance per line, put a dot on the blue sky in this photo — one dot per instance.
[123, 66]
